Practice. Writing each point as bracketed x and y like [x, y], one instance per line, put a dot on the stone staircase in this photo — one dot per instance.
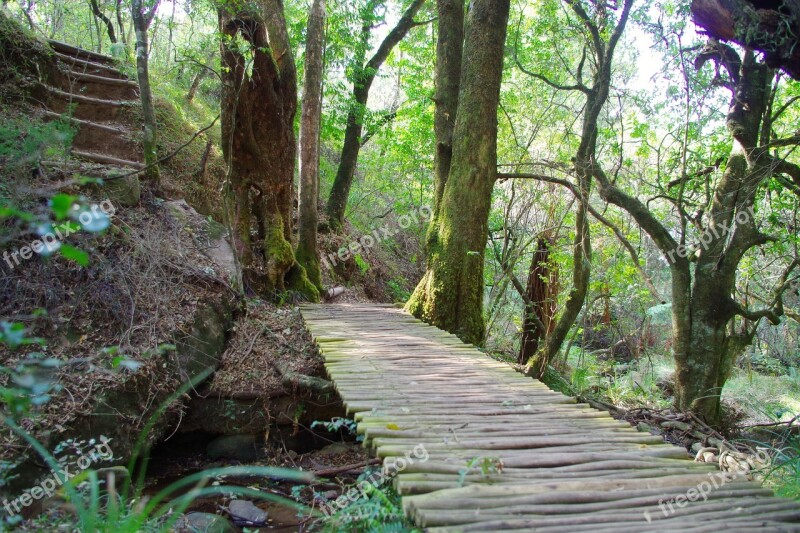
[102, 102]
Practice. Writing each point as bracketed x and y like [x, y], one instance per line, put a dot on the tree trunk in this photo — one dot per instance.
[705, 346]
[141, 24]
[121, 24]
[362, 82]
[769, 27]
[449, 49]
[541, 300]
[259, 146]
[450, 294]
[109, 25]
[307, 254]
[581, 271]
[200, 76]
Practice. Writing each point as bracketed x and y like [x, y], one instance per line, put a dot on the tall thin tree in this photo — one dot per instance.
[310, 117]
[603, 36]
[363, 78]
[449, 49]
[142, 13]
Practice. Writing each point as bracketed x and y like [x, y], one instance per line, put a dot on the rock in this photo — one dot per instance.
[210, 236]
[710, 457]
[676, 424]
[125, 191]
[204, 523]
[644, 428]
[241, 447]
[337, 448]
[245, 513]
[201, 348]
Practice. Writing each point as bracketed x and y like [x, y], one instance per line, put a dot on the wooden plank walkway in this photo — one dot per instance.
[565, 466]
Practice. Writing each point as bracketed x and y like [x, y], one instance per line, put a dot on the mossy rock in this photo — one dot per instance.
[204, 523]
[125, 191]
[239, 447]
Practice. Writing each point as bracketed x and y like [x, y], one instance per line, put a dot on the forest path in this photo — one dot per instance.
[477, 446]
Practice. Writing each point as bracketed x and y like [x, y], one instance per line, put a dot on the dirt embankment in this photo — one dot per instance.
[153, 307]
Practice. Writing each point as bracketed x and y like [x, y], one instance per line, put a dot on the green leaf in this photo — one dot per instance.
[75, 254]
[61, 204]
[124, 362]
[86, 180]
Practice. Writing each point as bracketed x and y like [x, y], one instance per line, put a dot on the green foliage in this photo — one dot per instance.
[106, 507]
[379, 512]
[784, 473]
[765, 364]
[397, 290]
[486, 465]
[362, 264]
[336, 424]
[25, 143]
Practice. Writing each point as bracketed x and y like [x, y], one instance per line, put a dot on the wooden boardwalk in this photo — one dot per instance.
[504, 452]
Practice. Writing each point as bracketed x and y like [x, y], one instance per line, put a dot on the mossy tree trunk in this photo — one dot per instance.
[706, 340]
[362, 79]
[142, 13]
[259, 102]
[450, 295]
[449, 50]
[307, 254]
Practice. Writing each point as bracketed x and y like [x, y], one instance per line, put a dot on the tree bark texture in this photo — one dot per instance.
[141, 24]
[307, 254]
[449, 49]
[258, 109]
[450, 295]
[769, 27]
[542, 299]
